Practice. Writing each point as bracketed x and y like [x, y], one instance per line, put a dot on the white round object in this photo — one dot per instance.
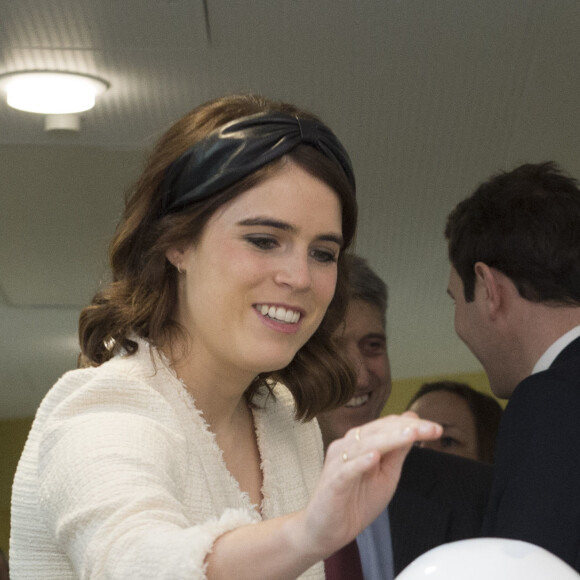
[488, 559]
[51, 92]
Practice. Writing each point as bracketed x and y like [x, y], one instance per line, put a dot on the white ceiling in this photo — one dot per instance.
[429, 96]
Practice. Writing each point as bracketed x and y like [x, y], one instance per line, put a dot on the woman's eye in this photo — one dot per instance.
[324, 256]
[262, 242]
[449, 442]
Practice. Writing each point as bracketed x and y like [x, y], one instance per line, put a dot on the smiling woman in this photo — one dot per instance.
[186, 449]
[275, 254]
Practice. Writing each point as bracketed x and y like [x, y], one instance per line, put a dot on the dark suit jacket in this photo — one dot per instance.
[536, 492]
[440, 498]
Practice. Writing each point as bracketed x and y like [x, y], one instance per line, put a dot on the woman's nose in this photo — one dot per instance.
[294, 271]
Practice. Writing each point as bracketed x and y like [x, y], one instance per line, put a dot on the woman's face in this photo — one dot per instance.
[258, 283]
[453, 413]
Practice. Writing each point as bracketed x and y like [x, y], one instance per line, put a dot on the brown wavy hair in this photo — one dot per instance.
[142, 296]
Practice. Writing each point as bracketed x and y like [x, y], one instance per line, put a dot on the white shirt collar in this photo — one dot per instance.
[545, 361]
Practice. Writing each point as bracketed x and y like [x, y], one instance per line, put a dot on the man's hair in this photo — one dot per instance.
[364, 284]
[526, 224]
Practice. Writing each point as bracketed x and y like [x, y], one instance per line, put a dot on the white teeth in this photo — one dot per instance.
[358, 401]
[279, 313]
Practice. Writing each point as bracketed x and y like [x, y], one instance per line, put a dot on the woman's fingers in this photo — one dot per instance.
[383, 436]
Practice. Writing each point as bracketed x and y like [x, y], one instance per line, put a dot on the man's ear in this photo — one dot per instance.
[490, 284]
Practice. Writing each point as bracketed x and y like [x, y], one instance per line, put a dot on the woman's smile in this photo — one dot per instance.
[280, 318]
[279, 313]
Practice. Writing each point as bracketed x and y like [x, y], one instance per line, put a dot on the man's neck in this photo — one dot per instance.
[545, 325]
[534, 330]
[552, 352]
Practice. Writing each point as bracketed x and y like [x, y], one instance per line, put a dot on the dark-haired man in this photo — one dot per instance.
[514, 247]
[440, 498]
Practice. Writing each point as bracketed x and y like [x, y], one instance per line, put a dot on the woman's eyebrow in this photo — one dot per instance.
[269, 222]
[285, 226]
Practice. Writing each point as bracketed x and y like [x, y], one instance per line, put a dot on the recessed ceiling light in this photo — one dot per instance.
[51, 92]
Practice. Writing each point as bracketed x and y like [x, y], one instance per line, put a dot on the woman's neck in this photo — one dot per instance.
[219, 395]
[218, 391]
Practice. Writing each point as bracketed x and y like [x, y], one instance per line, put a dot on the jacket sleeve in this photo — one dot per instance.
[111, 477]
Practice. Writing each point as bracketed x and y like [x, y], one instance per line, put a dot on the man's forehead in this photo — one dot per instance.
[363, 317]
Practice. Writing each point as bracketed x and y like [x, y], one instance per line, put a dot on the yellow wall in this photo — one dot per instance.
[404, 389]
[13, 435]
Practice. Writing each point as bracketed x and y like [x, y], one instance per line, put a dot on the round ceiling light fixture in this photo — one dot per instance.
[51, 92]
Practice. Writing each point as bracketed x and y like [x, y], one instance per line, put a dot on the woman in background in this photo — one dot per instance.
[187, 449]
[470, 419]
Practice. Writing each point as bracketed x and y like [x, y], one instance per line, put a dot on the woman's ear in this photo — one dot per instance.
[175, 256]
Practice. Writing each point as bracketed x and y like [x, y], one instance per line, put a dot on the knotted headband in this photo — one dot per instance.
[238, 149]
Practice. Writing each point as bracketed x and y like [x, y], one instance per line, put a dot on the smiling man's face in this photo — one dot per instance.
[363, 341]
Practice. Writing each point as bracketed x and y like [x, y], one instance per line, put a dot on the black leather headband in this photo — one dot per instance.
[238, 149]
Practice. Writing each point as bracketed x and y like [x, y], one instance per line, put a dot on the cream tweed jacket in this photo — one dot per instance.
[121, 477]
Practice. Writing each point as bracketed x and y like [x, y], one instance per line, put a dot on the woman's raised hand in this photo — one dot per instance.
[359, 478]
